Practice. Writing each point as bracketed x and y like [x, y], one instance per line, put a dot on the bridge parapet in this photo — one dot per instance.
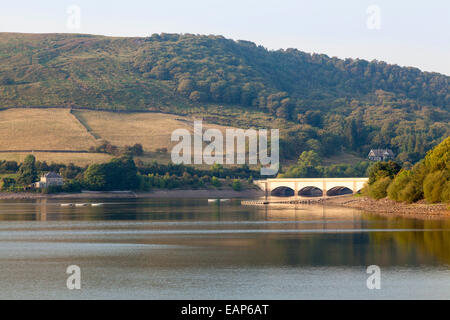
[324, 184]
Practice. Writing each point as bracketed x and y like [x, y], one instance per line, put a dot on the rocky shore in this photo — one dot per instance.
[390, 207]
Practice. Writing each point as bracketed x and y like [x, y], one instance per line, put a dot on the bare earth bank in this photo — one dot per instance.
[200, 193]
[390, 207]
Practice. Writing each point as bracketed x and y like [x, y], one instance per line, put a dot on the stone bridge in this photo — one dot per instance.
[310, 186]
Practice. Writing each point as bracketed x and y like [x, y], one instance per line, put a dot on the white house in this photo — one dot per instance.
[49, 179]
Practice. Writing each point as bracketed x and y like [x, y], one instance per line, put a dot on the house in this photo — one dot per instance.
[381, 155]
[49, 179]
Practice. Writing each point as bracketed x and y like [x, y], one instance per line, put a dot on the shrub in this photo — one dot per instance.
[72, 186]
[399, 183]
[52, 189]
[215, 182]
[8, 183]
[236, 185]
[378, 189]
[383, 169]
[412, 192]
[445, 196]
[434, 184]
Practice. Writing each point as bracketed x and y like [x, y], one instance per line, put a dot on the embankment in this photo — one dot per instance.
[390, 207]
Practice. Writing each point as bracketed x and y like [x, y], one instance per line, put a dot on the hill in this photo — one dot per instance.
[325, 104]
[64, 135]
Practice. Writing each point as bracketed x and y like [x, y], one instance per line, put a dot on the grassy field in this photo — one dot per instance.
[152, 130]
[42, 129]
[59, 129]
[80, 159]
[344, 157]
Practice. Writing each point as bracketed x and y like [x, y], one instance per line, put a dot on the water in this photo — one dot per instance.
[189, 249]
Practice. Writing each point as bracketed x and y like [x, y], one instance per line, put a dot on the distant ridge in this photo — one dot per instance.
[321, 103]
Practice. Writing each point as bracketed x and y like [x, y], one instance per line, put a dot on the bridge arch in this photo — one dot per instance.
[310, 191]
[282, 191]
[338, 191]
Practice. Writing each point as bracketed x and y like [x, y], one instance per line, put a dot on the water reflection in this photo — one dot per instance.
[234, 235]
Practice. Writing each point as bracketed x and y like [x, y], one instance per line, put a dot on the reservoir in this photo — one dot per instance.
[195, 249]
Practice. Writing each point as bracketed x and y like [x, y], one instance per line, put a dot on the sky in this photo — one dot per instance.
[408, 33]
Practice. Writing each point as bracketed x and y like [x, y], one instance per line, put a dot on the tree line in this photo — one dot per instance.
[429, 179]
[122, 173]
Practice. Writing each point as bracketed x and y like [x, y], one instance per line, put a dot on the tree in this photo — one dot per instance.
[434, 185]
[309, 159]
[383, 169]
[118, 174]
[27, 172]
[379, 188]
[186, 86]
[95, 177]
[308, 166]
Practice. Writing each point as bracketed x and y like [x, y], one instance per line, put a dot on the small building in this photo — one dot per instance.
[381, 155]
[49, 179]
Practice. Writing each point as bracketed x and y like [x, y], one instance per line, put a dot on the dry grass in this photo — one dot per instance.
[80, 159]
[58, 129]
[42, 129]
[152, 130]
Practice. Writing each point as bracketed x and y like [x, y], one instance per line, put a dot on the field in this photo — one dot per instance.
[343, 157]
[60, 129]
[42, 129]
[80, 159]
[152, 130]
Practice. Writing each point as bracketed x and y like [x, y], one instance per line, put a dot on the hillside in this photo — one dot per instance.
[325, 104]
[64, 135]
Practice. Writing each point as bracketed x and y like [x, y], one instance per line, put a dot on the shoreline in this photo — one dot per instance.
[383, 206]
[389, 207]
[175, 193]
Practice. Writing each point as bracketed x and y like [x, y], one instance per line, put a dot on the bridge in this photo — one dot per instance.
[310, 187]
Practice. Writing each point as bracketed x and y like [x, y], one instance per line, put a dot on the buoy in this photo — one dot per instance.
[80, 204]
[97, 204]
[66, 204]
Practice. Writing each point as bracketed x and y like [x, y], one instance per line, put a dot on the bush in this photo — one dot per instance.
[8, 183]
[412, 192]
[378, 189]
[434, 184]
[398, 185]
[236, 185]
[72, 186]
[52, 189]
[445, 196]
[215, 182]
[383, 169]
